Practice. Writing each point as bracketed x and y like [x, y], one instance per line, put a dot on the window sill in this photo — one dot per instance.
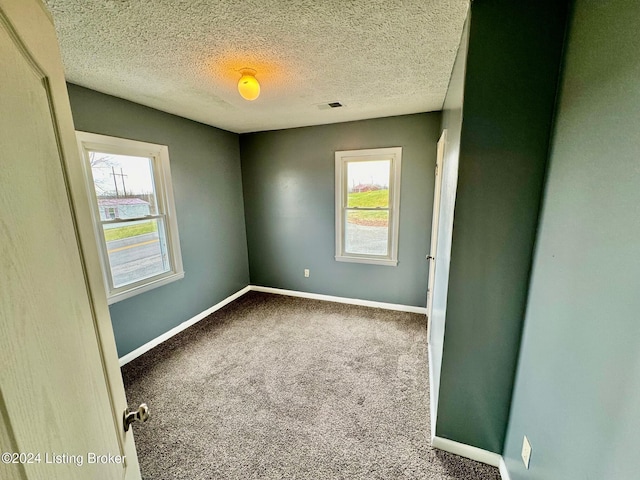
[132, 292]
[372, 261]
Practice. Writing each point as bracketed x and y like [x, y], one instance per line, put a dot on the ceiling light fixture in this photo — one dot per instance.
[248, 86]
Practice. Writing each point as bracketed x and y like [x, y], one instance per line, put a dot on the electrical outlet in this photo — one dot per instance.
[306, 273]
[526, 451]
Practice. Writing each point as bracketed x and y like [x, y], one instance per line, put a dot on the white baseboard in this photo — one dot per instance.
[504, 473]
[474, 453]
[350, 301]
[184, 325]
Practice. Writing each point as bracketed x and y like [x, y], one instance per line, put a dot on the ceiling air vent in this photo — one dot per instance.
[329, 105]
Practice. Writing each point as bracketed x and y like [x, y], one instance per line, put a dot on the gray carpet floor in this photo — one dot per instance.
[275, 387]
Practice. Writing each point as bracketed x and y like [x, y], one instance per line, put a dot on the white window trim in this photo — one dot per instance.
[164, 193]
[342, 158]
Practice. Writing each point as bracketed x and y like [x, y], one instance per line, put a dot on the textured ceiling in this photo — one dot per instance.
[377, 57]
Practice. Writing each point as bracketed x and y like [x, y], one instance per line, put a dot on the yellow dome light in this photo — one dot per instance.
[248, 86]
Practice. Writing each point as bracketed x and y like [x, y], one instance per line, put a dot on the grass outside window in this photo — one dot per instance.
[127, 231]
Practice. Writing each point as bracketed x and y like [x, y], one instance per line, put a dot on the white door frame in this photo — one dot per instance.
[435, 220]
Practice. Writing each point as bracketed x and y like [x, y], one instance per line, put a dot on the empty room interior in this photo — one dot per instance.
[320, 239]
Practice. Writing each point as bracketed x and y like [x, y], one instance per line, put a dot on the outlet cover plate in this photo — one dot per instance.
[526, 451]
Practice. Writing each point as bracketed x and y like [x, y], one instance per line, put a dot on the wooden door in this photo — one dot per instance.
[435, 219]
[61, 394]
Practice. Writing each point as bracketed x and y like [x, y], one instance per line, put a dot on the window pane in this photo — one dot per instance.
[124, 185]
[367, 232]
[368, 184]
[136, 250]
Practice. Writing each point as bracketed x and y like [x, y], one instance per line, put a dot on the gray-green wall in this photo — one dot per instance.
[205, 169]
[509, 97]
[577, 394]
[289, 184]
[452, 123]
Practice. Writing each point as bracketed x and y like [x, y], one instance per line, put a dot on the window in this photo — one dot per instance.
[110, 213]
[129, 187]
[368, 205]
